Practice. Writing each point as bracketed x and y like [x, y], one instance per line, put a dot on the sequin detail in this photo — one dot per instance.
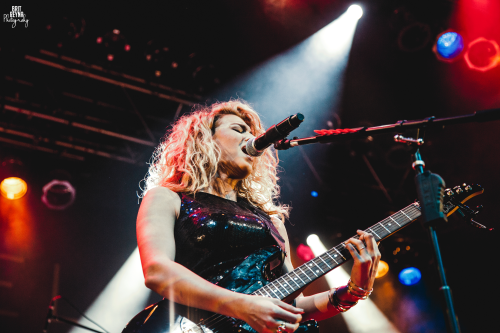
[211, 231]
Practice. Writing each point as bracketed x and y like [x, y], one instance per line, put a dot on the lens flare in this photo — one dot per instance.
[13, 188]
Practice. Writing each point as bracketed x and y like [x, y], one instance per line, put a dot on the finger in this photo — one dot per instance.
[282, 326]
[369, 240]
[289, 307]
[359, 245]
[354, 253]
[287, 316]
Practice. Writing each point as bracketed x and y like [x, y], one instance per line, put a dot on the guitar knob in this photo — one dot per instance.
[468, 188]
[458, 189]
[448, 192]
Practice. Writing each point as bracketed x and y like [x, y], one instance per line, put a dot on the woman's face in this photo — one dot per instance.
[232, 133]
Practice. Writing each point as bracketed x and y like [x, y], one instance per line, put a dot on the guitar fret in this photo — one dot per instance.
[304, 273]
[287, 284]
[374, 233]
[311, 270]
[266, 293]
[395, 221]
[406, 215]
[318, 265]
[273, 291]
[384, 227]
[299, 277]
[327, 252]
[278, 280]
[324, 262]
[277, 289]
[339, 253]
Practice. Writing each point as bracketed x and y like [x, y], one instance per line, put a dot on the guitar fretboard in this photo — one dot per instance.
[336, 256]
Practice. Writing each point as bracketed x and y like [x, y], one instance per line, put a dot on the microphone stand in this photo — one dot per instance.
[430, 190]
[402, 125]
[430, 187]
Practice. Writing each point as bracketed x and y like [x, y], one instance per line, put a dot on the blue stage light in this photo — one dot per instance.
[449, 45]
[314, 194]
[409, 276]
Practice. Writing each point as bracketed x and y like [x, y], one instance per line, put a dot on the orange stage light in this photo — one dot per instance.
[382, 269]
[13, 188]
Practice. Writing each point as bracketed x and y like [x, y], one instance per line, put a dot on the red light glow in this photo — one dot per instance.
[304, 252]
[482, 54]
[127, 47]
[99, 40]
[111, 57]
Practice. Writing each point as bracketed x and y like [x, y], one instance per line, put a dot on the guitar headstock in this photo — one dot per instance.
[459, 194]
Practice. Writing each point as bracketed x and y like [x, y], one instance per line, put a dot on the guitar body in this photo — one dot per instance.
[254, 272]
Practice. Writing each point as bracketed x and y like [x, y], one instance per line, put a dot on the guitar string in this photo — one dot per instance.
[215, 320]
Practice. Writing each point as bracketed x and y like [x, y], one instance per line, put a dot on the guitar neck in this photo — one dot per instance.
[336, 256]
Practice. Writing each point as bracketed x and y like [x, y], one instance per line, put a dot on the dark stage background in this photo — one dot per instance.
[70, 93]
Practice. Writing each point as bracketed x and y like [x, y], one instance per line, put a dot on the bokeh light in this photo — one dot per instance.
[410, 276]
[482, 54]
[449, 45]
[13, 188]
[382, 269]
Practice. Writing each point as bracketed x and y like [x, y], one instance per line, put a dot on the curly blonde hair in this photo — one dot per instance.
[187, 159]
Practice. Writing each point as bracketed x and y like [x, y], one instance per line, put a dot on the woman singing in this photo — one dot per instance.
[209, 204]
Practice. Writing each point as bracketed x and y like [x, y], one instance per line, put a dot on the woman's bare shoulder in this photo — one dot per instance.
[160, 198]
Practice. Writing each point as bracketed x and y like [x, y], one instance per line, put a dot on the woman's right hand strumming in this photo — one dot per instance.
[155, 235]
[267, 314]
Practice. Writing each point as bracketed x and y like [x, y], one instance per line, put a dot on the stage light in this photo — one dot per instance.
[482, 54]
[99, 40]
[314, 194]
[13, 188]
[127, 47]
[304, 252]
[382, 269]
[58, 194]
[110, 57]
[355, 11]
[449, 45]
[409, 276]
[13, 176]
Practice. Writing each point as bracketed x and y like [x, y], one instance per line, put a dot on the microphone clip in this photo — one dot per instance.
[284, 144]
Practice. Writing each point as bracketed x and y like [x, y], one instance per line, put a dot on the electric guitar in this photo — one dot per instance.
[258, 274]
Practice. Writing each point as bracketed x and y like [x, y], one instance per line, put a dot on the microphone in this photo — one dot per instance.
[256, 146]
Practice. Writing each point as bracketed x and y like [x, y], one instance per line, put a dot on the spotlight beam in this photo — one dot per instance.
[123, 297]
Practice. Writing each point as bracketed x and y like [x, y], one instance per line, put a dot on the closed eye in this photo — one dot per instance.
[240, 129]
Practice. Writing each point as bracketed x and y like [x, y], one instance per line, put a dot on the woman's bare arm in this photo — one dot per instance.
[155, 237]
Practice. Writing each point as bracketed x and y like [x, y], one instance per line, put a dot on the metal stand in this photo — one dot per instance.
[430, 188]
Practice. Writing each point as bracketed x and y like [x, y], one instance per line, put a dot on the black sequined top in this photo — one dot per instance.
[215, 233]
